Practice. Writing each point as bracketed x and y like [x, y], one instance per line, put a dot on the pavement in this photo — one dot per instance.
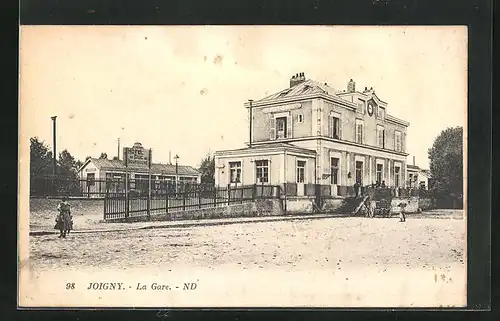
[118, 227]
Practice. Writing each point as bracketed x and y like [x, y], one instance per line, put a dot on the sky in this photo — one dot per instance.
[182, 89]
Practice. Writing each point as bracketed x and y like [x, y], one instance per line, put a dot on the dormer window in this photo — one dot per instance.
[361, 106]
[380, 113]
[284, 93]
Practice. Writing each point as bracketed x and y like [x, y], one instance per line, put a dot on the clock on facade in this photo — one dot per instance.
[370, 108]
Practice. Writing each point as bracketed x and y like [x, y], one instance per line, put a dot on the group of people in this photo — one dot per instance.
[64, 219]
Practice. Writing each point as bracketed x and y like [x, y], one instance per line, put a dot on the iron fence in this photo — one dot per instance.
[183, 197]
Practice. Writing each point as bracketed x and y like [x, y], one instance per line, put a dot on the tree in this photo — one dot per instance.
[446, 163]
[207, 169]
[103, 156]
[68, 166]
[40, 158]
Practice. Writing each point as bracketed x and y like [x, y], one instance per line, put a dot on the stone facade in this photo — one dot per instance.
[338, 137]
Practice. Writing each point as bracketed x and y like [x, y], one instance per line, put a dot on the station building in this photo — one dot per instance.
[98, 169]
[310, 133]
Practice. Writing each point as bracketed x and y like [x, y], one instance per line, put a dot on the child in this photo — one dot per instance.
[402, 217]
[64, 220]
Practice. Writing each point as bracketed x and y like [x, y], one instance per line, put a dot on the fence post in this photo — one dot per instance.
[228, 194]
[216, 189]
[105, 204]
[148, 203]
[127, 200]
[184, 199]
[199, 195]
[254, 191]
[242, 190]
[166, 198]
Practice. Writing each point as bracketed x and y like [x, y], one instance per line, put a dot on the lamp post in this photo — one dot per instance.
[176, 173]
[54, 160]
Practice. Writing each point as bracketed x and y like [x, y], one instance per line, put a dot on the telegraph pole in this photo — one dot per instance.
[176, 173]
[250, 130]
[54, 154]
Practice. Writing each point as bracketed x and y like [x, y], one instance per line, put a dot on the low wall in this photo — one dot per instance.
[299, 205]
[270, 207]
[333, 204]
[414, 204]
[304, 204]
[426, 204]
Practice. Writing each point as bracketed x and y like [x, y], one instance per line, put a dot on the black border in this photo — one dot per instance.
[477, 15]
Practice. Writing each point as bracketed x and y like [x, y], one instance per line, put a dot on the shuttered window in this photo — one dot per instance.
[359, 131]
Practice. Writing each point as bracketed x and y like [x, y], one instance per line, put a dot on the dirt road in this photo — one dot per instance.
[325, 262]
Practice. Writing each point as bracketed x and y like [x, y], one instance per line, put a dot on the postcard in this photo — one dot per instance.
[242, 166]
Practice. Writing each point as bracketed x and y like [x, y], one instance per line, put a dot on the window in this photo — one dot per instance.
[300, 118]
[380, 112]
[361, 106]
[281, 127]
[235, 172]
[359, 131]
[397, 141]
[380, 136]
[334, 171]
[284, 93]
[301, 169]
[359, 172]
[334, 127]
[91, 179]
[262, 171]
[380, 169]
[397, 174]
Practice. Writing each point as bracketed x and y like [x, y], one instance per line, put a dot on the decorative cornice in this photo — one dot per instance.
[395, 120]
[325, 138]
[301, 98]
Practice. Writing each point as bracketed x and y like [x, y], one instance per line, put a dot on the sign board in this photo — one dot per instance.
[137, 155]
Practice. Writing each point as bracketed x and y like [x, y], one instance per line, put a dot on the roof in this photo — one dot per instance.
[412, 167]
[157, 168]
[305, 88]
[267, 147]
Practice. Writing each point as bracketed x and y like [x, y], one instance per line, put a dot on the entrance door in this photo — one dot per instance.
[359, 172]
[301, 172]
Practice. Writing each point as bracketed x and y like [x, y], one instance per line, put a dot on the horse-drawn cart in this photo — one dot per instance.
[376, 202]
[383, 200]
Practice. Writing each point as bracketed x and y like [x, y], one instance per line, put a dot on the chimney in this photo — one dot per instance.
[351, 86]
[413, 160]
[297, 79]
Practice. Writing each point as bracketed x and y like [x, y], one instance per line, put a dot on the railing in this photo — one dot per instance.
[190, 196]
[57, 186]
